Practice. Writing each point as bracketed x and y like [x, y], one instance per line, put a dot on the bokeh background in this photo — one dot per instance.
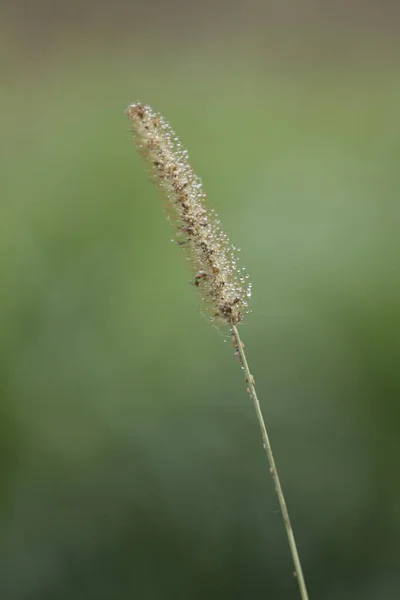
[131, 464]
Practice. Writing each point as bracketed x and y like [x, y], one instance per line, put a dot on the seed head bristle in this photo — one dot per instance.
[223, 285]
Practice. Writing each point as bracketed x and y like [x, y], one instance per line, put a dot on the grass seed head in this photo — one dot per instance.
[223, 285]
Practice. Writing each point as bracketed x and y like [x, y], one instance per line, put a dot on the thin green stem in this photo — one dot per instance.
[267, 446]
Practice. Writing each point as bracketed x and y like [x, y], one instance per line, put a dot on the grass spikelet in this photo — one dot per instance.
[222, 284]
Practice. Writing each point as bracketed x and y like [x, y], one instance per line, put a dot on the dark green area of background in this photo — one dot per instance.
[131, 464]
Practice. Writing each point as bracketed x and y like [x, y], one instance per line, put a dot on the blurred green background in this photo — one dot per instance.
[131, 464]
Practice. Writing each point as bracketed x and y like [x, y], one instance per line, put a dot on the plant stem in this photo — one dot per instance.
[268, 449]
